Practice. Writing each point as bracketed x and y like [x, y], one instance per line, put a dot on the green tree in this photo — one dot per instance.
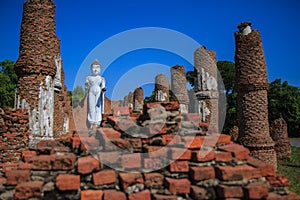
[8, 82]
[284, 101]
[76, 95]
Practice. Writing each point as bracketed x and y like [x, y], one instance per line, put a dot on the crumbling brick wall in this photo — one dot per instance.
[14, 125]
[203, 166]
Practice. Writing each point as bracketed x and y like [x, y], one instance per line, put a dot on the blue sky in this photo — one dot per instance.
[83, 25]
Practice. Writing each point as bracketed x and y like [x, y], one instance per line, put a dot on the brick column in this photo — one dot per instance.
[252, 99]
[279, 134]
[206, 88]
[161, 88]
[178, 85]
[138, 99]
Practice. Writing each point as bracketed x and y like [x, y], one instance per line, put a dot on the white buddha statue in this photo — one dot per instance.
[95, 84]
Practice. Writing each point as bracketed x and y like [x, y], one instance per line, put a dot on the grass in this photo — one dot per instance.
[291, 169]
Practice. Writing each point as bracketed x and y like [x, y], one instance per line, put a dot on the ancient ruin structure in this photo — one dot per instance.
[252, 85]
[40, 86]
[279, 134]
[130, 100]
[138, 99]
[67, 170]
[161, 88]
[178, 87]
[206, 87]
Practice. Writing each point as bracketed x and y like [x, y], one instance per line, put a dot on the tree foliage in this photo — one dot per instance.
[76, 95]
[8, 82]
[284, 102]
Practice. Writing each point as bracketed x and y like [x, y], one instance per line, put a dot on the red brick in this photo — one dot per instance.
[171, 106]
[266, 170]
[238, 151]
[130, 178]
[26, 155]
[134, 143]
[202, 173]
[256, 191]
[164, 197]
[131, 161]
[231, 173]
[181, 154]
[193, 142]
[66, 182]
[223, 156]
[87, 165]
[171, 139]
[159, 128]
[42, 162]
[143, 195]
[75, 142]
[115, 144]
[153, 180]
[63, 162]
[89, 144]
[125, 124]
[157, 151]
[28, 190]
[46, 146]
[179, 166]
[214, 139]
[9, 166]
[203, 155]
[23, 166]
[153, 164]
[121, 111]
[202, 193]
[278, 180]
[3, 180]
[104, 177]
[109, 158]
[109, 133]
[91, 195]
[224, 191]
[114, 195]
[16, 176]
[178, 186]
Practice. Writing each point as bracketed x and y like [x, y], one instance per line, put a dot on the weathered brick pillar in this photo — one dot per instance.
[178, 87]
[36, 67]
[206, 87]
[125, 101]
[138, 97]
[130, 100]
[279, 134]
[161, 88]
[252, 96]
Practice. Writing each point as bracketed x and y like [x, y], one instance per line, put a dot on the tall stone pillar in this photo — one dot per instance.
[252, 96]
[206, 87]
[178, 87]
[161, 88]
[138, 100]
[38, 68]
